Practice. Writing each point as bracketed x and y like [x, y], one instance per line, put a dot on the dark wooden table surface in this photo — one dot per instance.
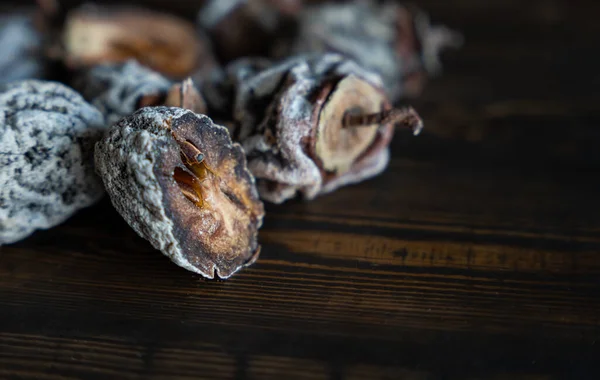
[475, 256]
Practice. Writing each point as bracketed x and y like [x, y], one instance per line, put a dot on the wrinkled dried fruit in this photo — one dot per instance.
[21, 47]
[181, 183]
[242, 28]
[47, 136]
[312, 124]
[163, 42]
[398, 43]
[118, 90]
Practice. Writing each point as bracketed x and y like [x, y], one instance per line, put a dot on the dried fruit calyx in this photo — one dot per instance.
[181, 183]
[169, 45]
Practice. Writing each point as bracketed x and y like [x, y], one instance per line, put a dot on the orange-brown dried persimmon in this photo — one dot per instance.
[181, 183]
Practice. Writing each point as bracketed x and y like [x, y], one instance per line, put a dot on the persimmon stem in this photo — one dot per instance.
[406, 117]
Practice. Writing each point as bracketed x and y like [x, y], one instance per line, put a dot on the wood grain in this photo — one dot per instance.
[476, 255]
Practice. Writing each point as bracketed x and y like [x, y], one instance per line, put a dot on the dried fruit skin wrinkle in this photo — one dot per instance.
[289, 120]
[47, 136]
[165, 43]
[181, 183]
[120, 89]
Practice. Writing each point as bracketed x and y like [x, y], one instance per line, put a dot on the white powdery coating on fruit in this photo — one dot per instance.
[125, 160]
[21, 46]
[297, 170]
[115, 89]
[287, 163]
[47, 133]
[250, 84]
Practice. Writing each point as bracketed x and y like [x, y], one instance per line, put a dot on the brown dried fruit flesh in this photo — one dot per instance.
[181, 183]
[338, 147]
[350, 153]
[291, 120]
[165, 43]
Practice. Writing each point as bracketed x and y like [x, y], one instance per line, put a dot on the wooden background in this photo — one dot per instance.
[475, 256]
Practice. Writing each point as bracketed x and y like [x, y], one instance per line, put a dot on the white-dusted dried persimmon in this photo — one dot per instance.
[120, 89]
[311, 124]
[47, 136]
[180, 182]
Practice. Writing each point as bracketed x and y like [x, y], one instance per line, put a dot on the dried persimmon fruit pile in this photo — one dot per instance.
[188, 124]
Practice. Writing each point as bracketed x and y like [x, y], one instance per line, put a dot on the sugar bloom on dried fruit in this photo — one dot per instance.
[311, 124]
[47, 136]
[180, 182]
[120, 89]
